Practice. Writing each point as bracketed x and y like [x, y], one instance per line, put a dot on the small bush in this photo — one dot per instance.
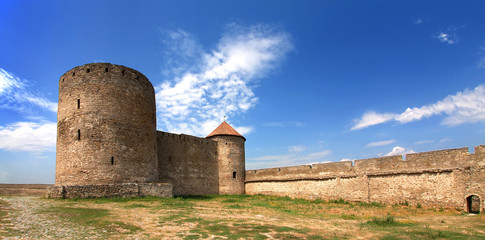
[383, 222]
[419, 205]
[339, 201]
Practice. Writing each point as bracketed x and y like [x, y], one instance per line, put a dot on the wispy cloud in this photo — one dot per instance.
[449, 36]
[218, 82]
[418, 21]
[372, 118]
[380, 143]
[296, 149]
[17, 94]
[283, 124]
[289, 159]
[399, 151]
[424, 142]
[444, 140]
[28, 136]
[463, 107]
[481, 61]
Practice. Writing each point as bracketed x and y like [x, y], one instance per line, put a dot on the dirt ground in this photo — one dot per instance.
[228, 217]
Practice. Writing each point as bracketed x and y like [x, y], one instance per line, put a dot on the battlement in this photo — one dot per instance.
[415, 162]
[183, 138]
[95, 71]
[436, 178]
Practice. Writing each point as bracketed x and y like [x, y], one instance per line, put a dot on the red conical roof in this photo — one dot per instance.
[225, 129]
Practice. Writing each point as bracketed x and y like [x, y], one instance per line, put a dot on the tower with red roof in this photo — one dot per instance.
[230, 158]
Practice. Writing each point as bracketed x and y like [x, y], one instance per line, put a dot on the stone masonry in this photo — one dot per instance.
[446, 178]
[108, 145]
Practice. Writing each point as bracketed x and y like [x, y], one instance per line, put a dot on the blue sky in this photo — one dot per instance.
[303, 81]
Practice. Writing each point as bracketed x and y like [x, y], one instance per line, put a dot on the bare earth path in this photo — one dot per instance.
[26, 218]
[228, 217]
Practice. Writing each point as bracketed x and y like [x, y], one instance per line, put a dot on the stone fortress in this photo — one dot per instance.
[108, 145]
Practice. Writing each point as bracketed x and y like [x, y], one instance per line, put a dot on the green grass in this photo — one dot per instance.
[6, 231]
[387, 221]
[231, 230]
[92, 217]
[260, 217]
[393, 229]
[427, 233]
[136, 205]
[237, 206]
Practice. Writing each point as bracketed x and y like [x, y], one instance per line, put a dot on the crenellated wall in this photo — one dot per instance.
[189, 163]
[437, 178]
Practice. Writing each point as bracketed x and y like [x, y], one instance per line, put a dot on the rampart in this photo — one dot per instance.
[23, 189]
[189, 163]
[443, 178]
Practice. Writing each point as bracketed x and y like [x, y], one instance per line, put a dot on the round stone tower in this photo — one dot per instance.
[231, 159]
[106, 126]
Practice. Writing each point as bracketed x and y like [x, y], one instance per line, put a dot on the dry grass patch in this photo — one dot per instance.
[255, 217]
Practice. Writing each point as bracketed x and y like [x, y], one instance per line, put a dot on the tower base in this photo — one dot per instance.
[110, 190]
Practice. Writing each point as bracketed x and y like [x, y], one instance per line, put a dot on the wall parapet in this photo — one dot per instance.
[183, 137]
[426, 162]
[444, 178]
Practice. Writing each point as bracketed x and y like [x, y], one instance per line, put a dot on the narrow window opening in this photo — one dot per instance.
[79, 134]
[169, 159]
[233, 174]
[63, 80]
[137, 77]
[122, 72]
[74, 73]
[78, 103]
[88, 70]
[112, 160]
[106, 69]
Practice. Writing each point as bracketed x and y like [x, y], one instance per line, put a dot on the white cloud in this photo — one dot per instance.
[424, 142]
[449, 36]
[16, 94]
[463, 107]
[296, 149]
[28, 136]
[418, 21]
[481, 62]
[399, 151]
[290, 159]
[221, 83]
[444, 140]
[380, 143]
[283, 124]
[243, 130]
[372, 118]
[345, 159]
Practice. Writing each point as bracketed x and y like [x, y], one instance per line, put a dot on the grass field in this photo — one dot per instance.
[229, 217]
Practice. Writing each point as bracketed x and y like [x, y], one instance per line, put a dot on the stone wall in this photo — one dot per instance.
[23, 189]
[442, 178]
[110, 190]
[189, 163]
[231, 160]
[106, 129]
